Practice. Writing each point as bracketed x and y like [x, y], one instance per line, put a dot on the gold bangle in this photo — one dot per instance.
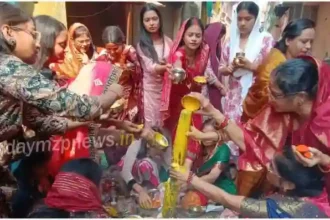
[322, 170]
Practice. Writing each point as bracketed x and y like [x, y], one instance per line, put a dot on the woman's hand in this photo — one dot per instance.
[318, 158]
[206, 107]
[148, 134]
[144, 200]
[244, 63]
[195, 134]
[228, 70]
[169, 69]
[179, 175]
[130, 127]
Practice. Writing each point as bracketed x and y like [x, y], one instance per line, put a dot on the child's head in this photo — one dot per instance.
[153, 148]
[208, 126]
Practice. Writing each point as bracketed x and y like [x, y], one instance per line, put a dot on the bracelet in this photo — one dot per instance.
[322, 170]
[223, 124]
[190, 177]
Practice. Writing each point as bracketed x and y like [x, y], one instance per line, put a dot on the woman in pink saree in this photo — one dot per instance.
[190, 53]
[94, 79]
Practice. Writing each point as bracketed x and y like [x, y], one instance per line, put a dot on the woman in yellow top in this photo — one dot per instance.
[297, 39]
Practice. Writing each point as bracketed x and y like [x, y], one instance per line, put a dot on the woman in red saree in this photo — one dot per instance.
[124, 56]
[190, 53]
[298, 113]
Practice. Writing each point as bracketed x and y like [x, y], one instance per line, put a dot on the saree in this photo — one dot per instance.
[132, 81]
[201, 166]
[281, 206]
[172, 94]
[74, 60]
[267, 133]
[93, 80]
[257, 96]
[220, 156]
[213, 35]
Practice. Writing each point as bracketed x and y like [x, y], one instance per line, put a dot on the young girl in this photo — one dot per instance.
[153, 49]
[146, 164]
[211, 164]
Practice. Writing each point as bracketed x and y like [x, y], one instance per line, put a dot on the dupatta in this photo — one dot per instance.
[93, 80]
[172, 94]
[213, 35]
[74, 193]
[200, 65]
[252, 50]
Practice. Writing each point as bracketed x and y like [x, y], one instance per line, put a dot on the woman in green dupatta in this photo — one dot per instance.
[210, 162]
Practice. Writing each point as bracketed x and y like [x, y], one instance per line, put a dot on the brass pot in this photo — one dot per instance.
[118, 106]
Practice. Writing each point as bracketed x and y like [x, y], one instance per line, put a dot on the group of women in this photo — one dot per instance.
[57, 86]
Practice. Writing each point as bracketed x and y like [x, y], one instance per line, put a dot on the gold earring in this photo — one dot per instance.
[12, 42]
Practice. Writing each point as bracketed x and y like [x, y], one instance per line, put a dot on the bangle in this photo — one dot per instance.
[190, 177]
[323, 170]
[223, 124]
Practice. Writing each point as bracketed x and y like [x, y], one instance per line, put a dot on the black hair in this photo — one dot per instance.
[85, 167]
[192, 21]
[49, 28]
[143, 150]
[10, 15]
[297, 75]
[293, 30]
[146, 42]
[309, 181]
[280, 10]
[251, 7]
[209, 121]
[113, 34]
[81, 30]
[25, 168]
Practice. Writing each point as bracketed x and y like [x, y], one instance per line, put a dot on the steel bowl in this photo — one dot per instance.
[179, 75]
[196, 211]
